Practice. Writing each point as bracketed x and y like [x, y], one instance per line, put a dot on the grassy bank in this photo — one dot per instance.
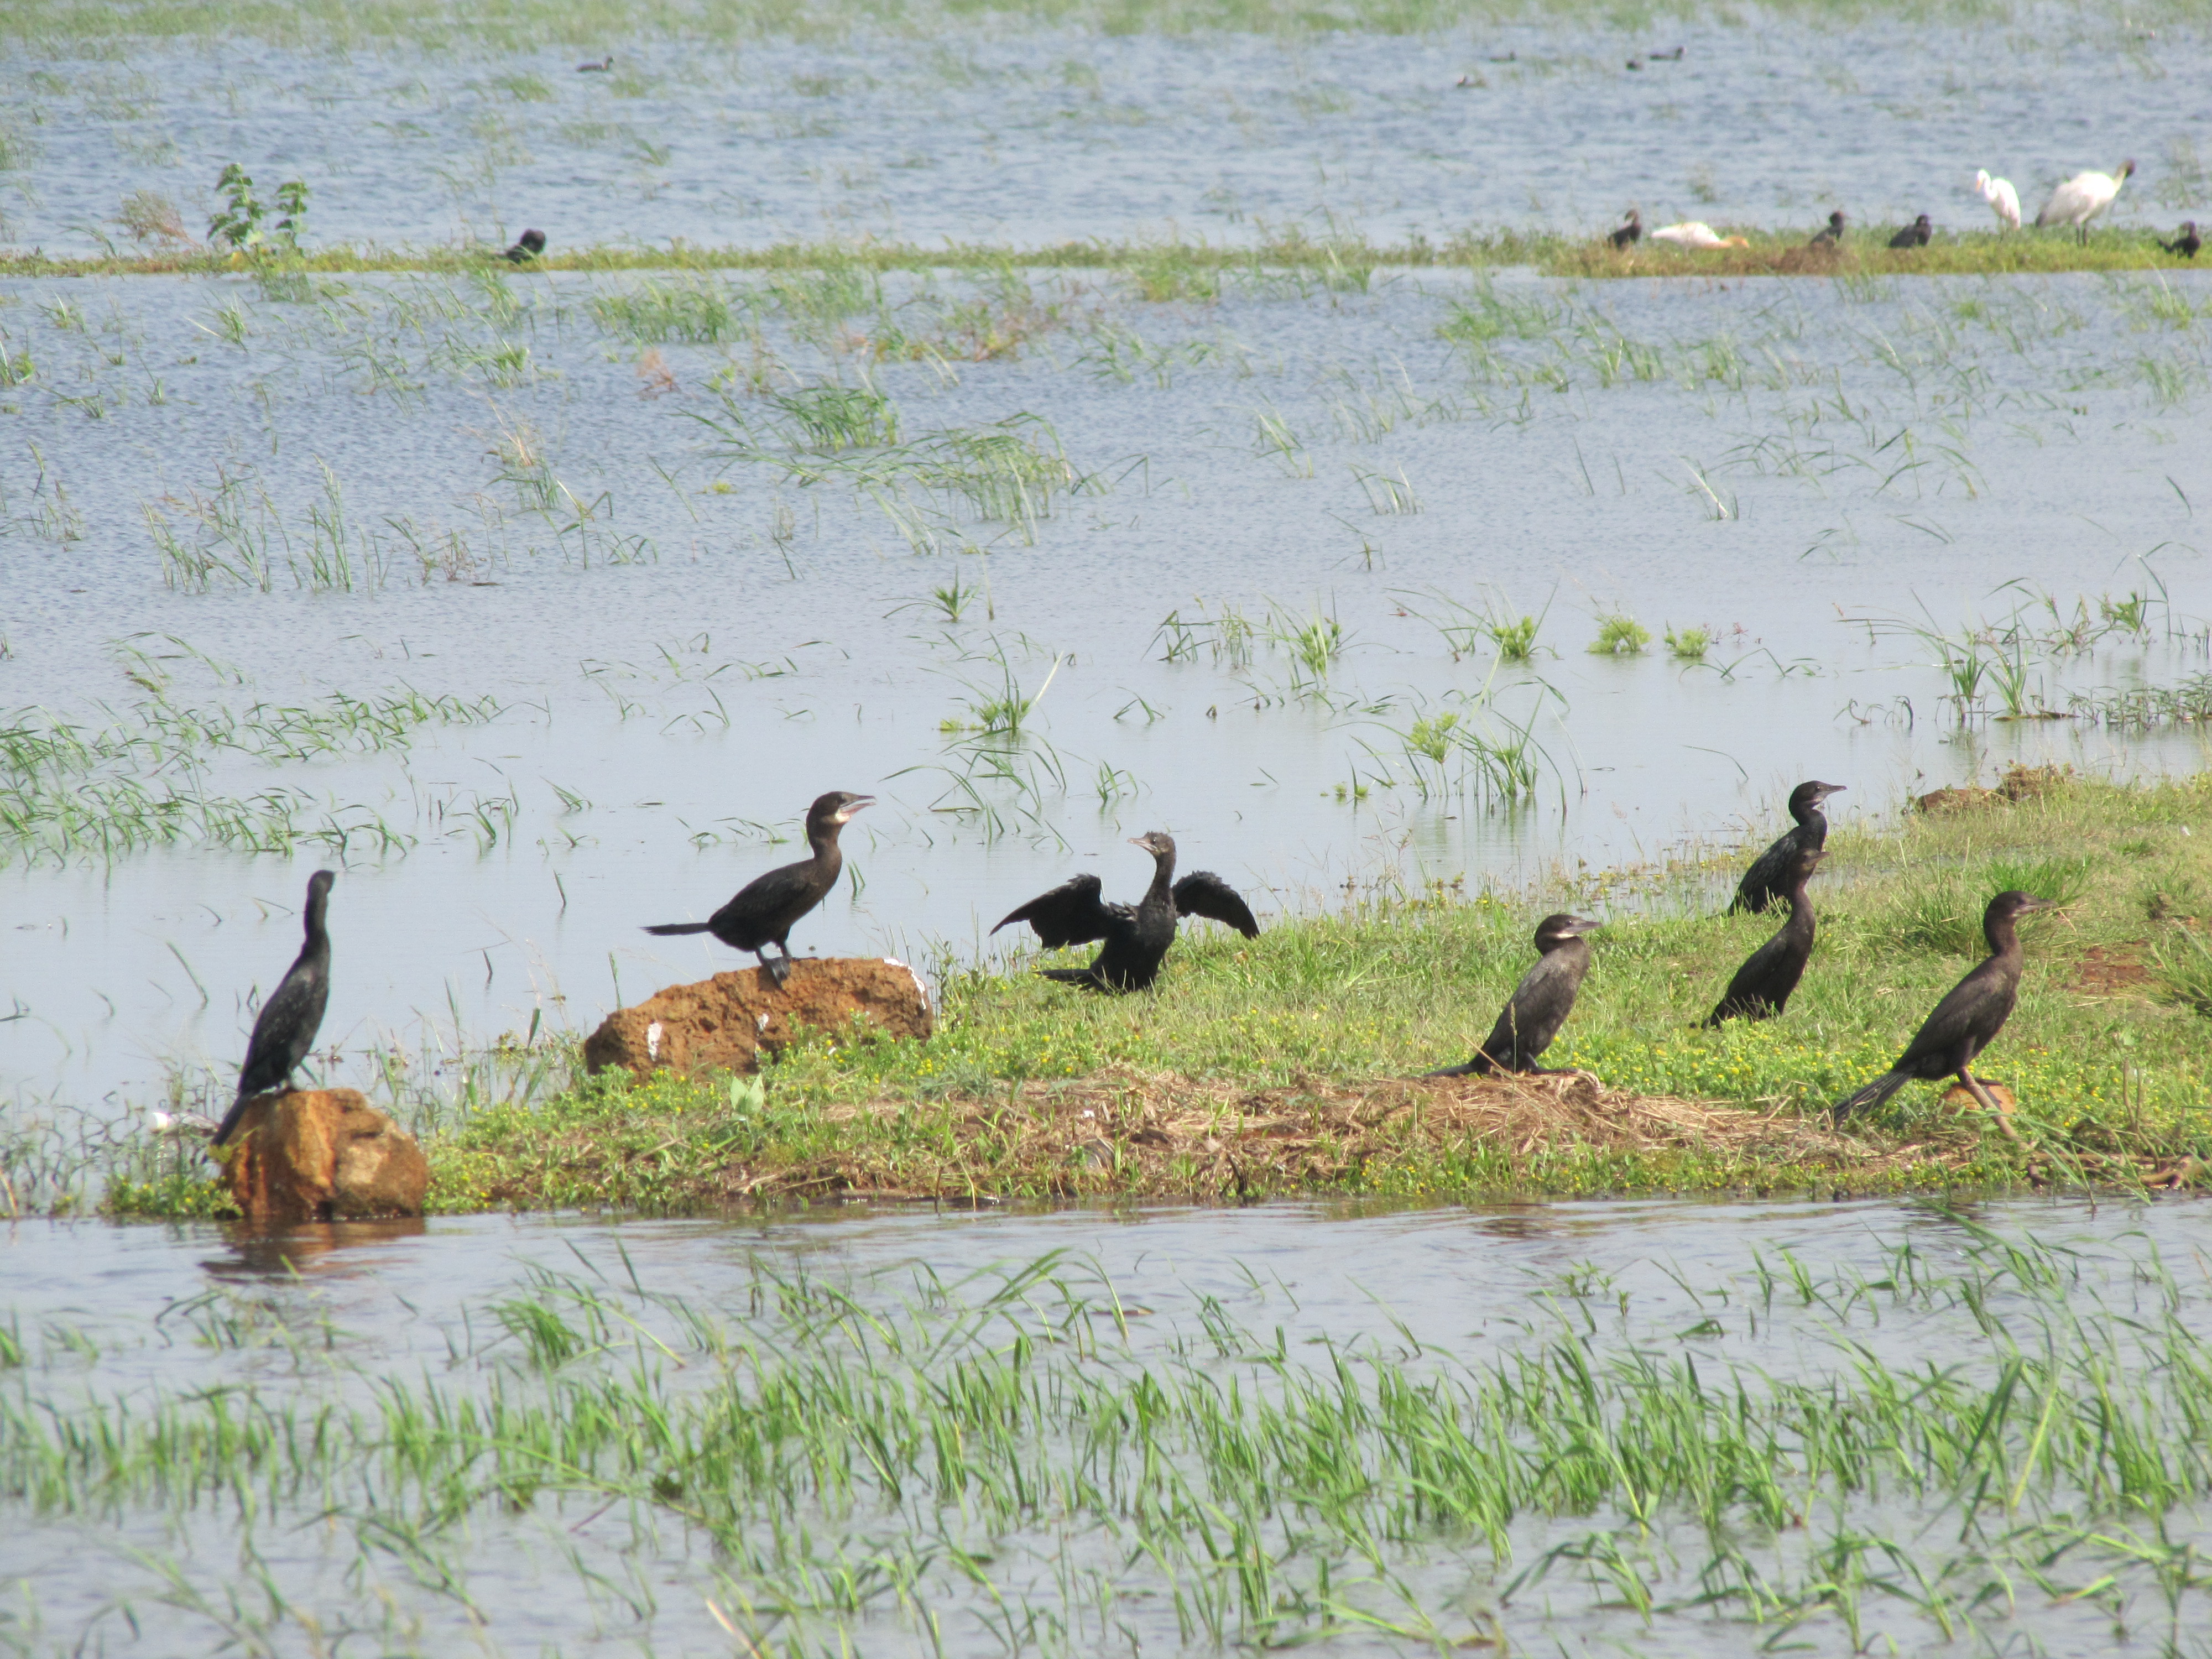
[1183, 269]
[1280, 1064]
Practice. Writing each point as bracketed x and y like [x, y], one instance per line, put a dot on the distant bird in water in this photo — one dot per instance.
[527, 246]
[769, 907]
[2003, 199]
[1761, 988]
[1673, 56]
[1631, 231]
[2187, 243]
[1541, 1002]
[1834, 235]
[599, 68]
[1636, 63]
[1509, 57]
[286, 1028]
[2081, 198]
[1915, 235]
[1766, 883]
[1467, 81]
[1136, 936]
[1696, 233]
[1968, 1019]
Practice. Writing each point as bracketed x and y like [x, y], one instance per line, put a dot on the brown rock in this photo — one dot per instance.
[322, 1154]
[1959, 1098]
[723, 1022]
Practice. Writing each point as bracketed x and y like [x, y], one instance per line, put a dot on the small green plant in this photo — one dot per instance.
[1516, 641]
[1689, 644]
[1619, 634]
[237, 224]
[2062, 880]
[1432, 738]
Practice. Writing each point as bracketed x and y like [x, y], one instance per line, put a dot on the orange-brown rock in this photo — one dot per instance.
[724, 1024]
[1959, 1098]
[322, 1154]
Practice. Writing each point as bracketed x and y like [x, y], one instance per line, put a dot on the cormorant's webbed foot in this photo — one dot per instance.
[777, 971]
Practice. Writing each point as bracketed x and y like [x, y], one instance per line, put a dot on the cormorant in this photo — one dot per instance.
[527, 246]
[1834, 235]
[1763, 885]
[1673, 56]
[1541, 1002]
[1137, 935]
[599, 68]
[1967, 1020]
[1631, 231]
[286, 1028]
[1915, 235]
[769, 907]
[2187, 244]
[1761, 988]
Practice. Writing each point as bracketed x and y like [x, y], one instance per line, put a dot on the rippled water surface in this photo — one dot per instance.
[333, 1326]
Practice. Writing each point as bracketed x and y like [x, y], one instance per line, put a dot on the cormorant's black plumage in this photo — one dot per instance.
[1136, 936]
[1763, 885]
[767, 907]
[1762, 986]
[1539, 1003]
[286, 1028]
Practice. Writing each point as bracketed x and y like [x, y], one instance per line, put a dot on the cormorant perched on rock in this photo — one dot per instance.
[1763, 886]
[1762, 986]
[769, 907]
[527, 246]
[1834, 235]
[1968, 1019]
[2188, 243]
[292, 1014]
[1631, 231]
[1541, 1002]
[1915, 235]
[1137, 935]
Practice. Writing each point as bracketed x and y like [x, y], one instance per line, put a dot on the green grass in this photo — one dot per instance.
[1319, 1012]
[1182, 271]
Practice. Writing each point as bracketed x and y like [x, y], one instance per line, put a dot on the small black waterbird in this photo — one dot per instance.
[1541, 1002]
[1136, 936]
[286, 1028]
[767, 907]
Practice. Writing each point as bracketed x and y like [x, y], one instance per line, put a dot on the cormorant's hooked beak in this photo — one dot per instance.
[1582, 925]
[858, 803]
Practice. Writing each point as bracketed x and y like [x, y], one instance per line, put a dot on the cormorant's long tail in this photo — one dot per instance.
[680, 927]
[230, 1118]
[1480, 1066]
[1874, 1094]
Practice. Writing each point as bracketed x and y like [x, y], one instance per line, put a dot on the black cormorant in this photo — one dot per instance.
[1834, 235]
[1762, 986]
[2188, 243]
[1915, 235]
[1541, 1002]
[769, 907]
[527, 246]
[1763, 886]
[1631, 231]
[1136, 936]
[1967, 1020]
[293, 1013]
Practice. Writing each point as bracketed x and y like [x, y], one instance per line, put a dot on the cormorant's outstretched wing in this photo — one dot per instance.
[1070, 914]
[1202, 893]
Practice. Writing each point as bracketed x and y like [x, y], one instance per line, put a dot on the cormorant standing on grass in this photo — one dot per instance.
[1765, 885]
[1632, 228]
[1762, 986]
[1137, 935]
[1834, 235]
[769, 907]
[1915, 235]
[2188, 244]
[1541, 1002]
[527, 246]
[1968, 1019]
[292, 1014]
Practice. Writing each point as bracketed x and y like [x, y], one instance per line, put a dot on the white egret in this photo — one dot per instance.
[1696, 233]
[2003, 199]
[2082, 197]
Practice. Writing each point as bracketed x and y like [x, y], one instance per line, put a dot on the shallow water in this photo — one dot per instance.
[1000, 132]
[1256, 1298]
[682, 645]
